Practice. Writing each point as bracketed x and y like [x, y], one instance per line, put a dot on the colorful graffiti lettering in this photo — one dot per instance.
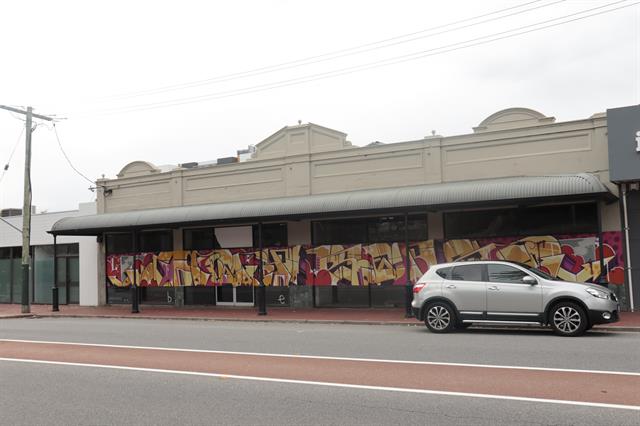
[571, 258]
[358, 264]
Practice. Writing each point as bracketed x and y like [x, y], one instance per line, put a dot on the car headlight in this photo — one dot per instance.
[597, 293]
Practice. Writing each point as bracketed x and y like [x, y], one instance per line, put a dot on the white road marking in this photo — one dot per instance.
[336, 358]
[332, 384]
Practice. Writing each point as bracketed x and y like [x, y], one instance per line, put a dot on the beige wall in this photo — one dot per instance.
[311, 159]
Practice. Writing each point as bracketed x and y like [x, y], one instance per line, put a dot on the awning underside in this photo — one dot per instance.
[422, 196]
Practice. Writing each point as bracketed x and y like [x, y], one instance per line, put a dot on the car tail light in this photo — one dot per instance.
[418, 287]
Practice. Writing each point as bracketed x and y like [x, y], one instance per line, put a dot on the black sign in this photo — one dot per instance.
[624, 143]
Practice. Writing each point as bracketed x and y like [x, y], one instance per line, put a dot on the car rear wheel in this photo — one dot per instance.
[568, 319]
[439, 318]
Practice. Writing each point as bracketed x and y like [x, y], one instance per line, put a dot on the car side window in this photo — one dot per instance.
[444, 273]
[505, 274]
[467, 273]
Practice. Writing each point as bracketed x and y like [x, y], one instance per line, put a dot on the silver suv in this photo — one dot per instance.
[456, 295]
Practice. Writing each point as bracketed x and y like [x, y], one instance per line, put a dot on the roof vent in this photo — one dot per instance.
[191, 165]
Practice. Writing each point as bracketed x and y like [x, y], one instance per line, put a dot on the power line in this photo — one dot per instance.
[55, 130]
[6, 166]
[376, 64]
[363, 48]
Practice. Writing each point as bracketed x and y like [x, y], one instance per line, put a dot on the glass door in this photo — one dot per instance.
[73, 280]
[68, 280]
[61, 280]
[227, 294]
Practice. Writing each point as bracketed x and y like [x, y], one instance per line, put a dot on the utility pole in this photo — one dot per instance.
[26, 206]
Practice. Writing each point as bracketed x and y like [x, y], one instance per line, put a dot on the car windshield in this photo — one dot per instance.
[538, 272]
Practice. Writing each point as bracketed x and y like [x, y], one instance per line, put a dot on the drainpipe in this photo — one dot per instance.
[135, 308]
[602, 279]
[408, 290]
[262, 300]
[625, 224]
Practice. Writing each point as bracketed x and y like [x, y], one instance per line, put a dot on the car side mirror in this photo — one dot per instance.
[528, 279]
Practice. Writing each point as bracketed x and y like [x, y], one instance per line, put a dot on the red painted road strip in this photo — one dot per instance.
[617, 389]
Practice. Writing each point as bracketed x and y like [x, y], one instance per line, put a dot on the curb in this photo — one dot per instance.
[17, 316]
[265, 320]
[629, 329]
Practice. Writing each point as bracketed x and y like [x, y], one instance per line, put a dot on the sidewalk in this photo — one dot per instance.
[628, 321]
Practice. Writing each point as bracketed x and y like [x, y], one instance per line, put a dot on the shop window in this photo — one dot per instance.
[200, 239]
[391, 229]
[5, 252]
[155, 241]
[339, 232]
[119, 243]
[369, 230]
[558, 219]
[43, 274]
[5, 275]
[273, 235]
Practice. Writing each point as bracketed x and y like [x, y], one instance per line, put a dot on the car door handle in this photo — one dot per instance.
[451, 286]
[493, 287]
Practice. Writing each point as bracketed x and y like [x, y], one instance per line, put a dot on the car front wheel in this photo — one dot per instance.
[439, 318]
[568, 319]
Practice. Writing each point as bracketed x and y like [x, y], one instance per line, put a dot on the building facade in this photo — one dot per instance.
[76, 257]
[320, 222]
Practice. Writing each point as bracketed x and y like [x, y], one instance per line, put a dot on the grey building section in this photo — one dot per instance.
[633, 215]
[624, 169]
[624, 143]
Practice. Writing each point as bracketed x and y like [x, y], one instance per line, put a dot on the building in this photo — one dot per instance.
[624, 164]
[77, 258]
[320, 222]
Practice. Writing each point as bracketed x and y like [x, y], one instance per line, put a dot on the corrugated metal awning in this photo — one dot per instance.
[444, 195]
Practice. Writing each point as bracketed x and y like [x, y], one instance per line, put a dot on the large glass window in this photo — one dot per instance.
[16, 278]
[505, 274]
[42, 274]
[273, 235]
[67, 280]
[155, 241]
[558, 219]
[5, 275]
[119, 243]
[391, 229]
[339, 232]
[200, 239]
[369, 230]
[467, 273]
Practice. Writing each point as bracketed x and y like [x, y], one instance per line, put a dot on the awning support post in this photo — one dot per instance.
[602, 278]
[135, 308]
[55, 306]
[262, 293]
[408, 288]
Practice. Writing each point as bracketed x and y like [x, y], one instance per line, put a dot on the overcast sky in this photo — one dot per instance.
[116, 70]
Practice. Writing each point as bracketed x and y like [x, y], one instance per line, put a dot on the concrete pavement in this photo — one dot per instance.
[629, 321]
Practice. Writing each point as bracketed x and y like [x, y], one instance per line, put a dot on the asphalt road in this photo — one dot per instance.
[35, 393]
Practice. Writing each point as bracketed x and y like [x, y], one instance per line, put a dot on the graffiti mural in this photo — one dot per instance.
[356, 264]
[570, 257]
